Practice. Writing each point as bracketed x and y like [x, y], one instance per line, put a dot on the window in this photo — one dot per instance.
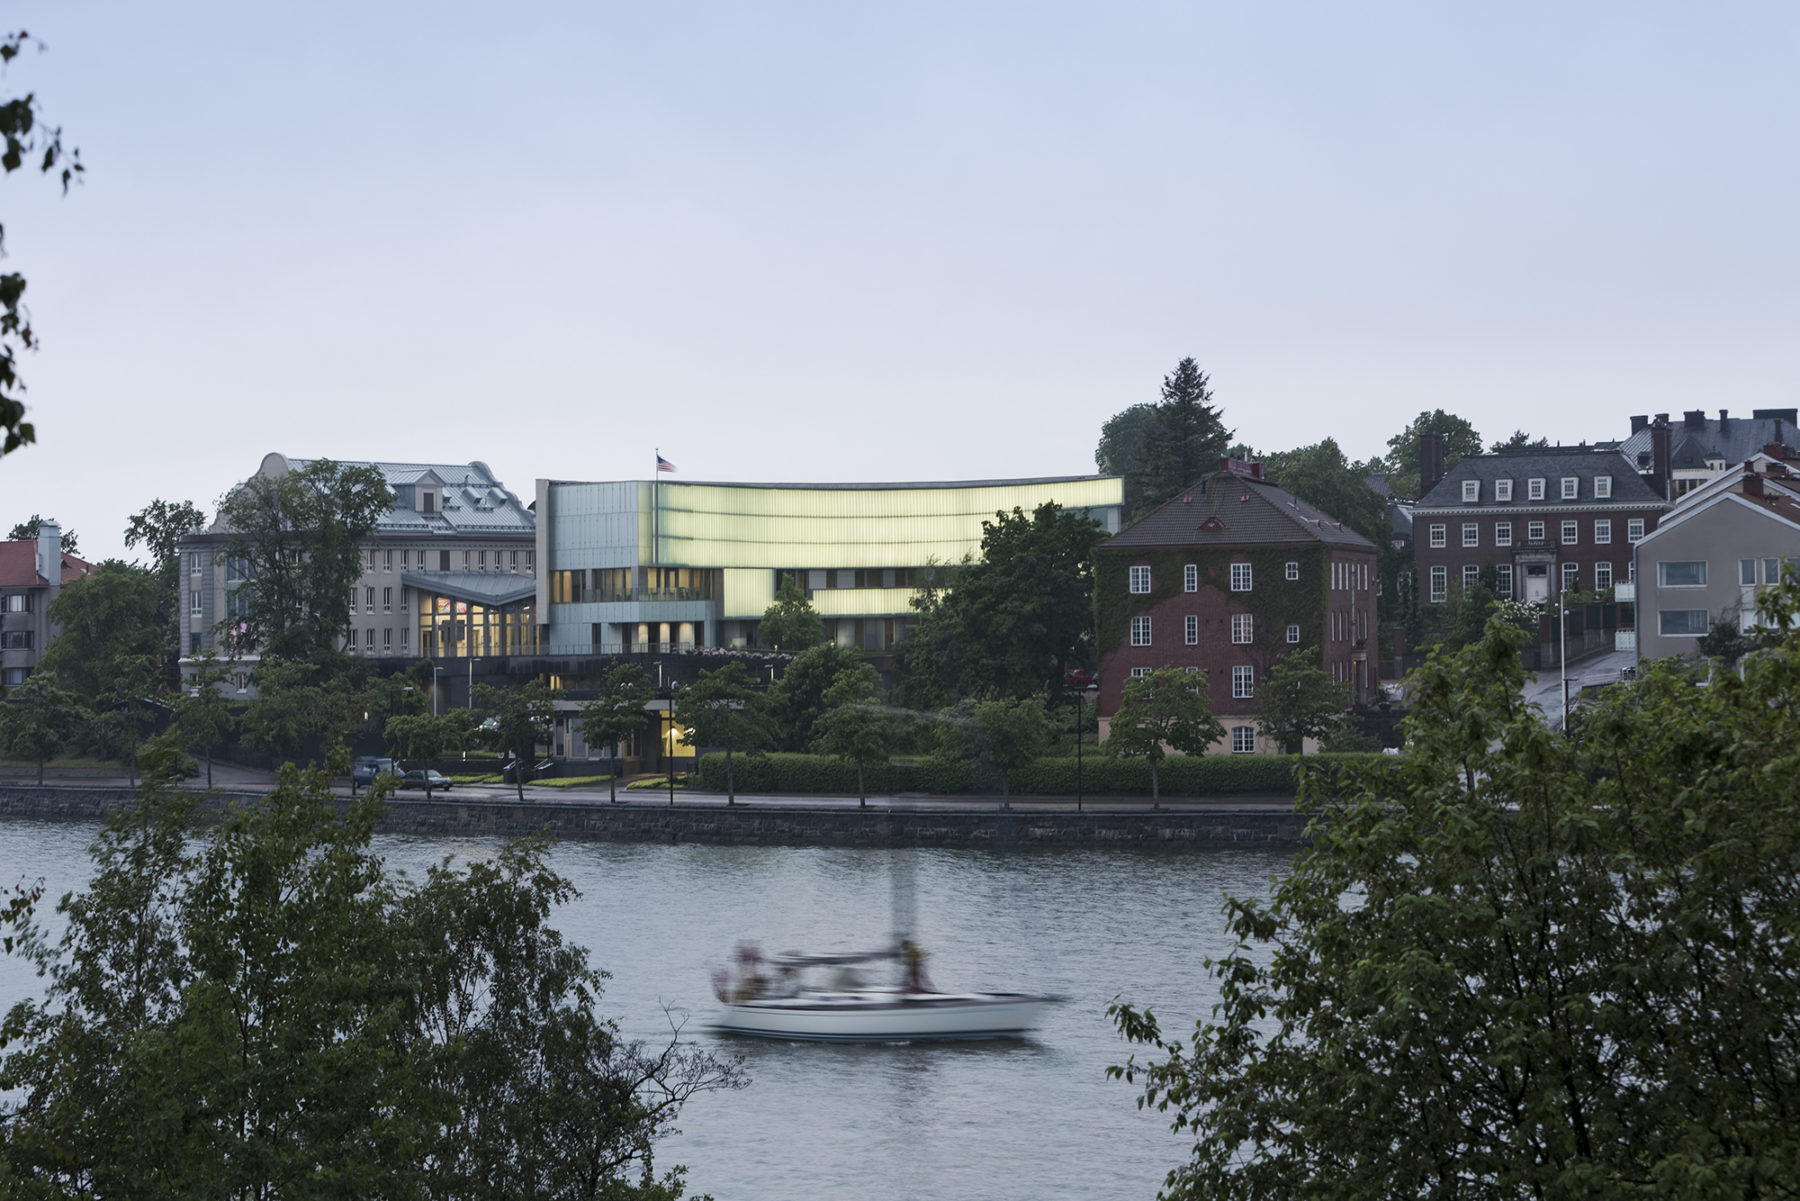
[1771, 571]
[1190, 626]
[1437, 536]
[481, 560]
[1471, 490]
[19, 602]
[515, 561]
[193, 564]
[1502, 489]
[1603, 487]
[1602, 531]
[1293, 570]
[369, 600]
[1534, 531]
[1242, 626]
[1138, 673]
[1440, 584]
[387, 642]
[1243, 683]
[1294, 634]
[1190, 578]
[1571, 532]
[465, 560]
[1140, 580]
[1243, 740]
[16, 640]
[369, 559]
[1571, 573]
[1746, 571]
[196, 602]
[1503, 584]
[1690, 574]
[387, 560]
[1534, 489]
[1571, 487]
[369, 638]
[1503, 533]
[1471, 533]
[387, 600]
[1602, 576]
[1634, 530]
[1140, 631]
[1471, 575]
[1240, 577]
[427, 502]
[529, 556]
[1679, 623]
[405, 638]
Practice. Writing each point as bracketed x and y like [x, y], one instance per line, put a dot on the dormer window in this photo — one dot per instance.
[1471, 491]
[427, 501]
[1602, 487]
[1534, 489]
[1571, 487]
[1502, 489]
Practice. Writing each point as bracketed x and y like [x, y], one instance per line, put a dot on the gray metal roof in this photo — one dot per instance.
[1227, 509]
[1550, 464]
[1733, 439]
[480, 587]
[474, 502]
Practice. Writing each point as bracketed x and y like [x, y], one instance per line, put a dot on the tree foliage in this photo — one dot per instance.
[1167, 708]
[28, 142]
[1321, 476]
[111, 631]
[39, 719]
[1124, 448]
[719, 709]
[790, 623]
[259, 1008]
[1403, 457]
[615, 714]
[797, 700]
[517, 719]
[1005, 734]
[203, 717]
[28, 529]
[1516, 964]
[1187, 440]
[1299, 700]
[857, 725]
[1520, 440]
[300, 535]
[159, 527]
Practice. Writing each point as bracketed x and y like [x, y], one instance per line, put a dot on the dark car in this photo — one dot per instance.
[366, 769]
[430, 781]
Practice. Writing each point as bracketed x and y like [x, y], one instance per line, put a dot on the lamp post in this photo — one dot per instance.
[1562, 656]
[669, 736]
[1078, 734]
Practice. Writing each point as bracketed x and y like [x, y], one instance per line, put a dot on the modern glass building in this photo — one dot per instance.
[635, 566]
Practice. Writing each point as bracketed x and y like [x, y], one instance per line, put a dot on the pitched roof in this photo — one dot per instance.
[18, 565]
[480, 587]
[1733, 439]
[1228, 509]
[1547, 463]
[474, 502]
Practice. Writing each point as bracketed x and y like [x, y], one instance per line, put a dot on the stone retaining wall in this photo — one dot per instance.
[756, 825]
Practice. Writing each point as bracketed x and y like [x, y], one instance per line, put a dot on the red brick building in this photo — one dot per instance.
[1225, 580]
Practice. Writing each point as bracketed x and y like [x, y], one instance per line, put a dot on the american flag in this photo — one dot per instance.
[663, 464]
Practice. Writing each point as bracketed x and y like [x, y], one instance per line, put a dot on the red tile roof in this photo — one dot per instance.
[18, 565]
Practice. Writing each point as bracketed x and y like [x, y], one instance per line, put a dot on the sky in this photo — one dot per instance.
[854, 242]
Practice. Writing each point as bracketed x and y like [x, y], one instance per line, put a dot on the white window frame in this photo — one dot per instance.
[1603, 487]
[1471, 491]
[1503, 580]
[1634, 530]
[1663, 623]
[1140, 631]
[1571, 487]
[1534, 531]
[1603, 575]
[1662, 573]
[1534, 488]
[1243, 740]
[1440, 536]
[1471, 533]
[1243, 683]
[1243, 629]
[1138, 580]
[1471, 575]
[1241, 577]
[1502, 489]
[1440, 584]
[1292, 570]
[1602, 531]
[1190, 577]
[1503, 533]
[1293, 635]
[1571, 576]
[1571, 533]
[1190, 629]
[1138, 673]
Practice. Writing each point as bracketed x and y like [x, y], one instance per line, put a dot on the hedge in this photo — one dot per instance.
[1101, 774]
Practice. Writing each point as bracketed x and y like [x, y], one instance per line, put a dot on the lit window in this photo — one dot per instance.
[1440, 584]
[1471, 490]
[1242, 625]
[1602, 531]
[1502, 489]
[1293, 634]
[1191, 629]
[1190, 578]
[1571, 487]
[1571, 533]
[1140, 580]
[1438, 536]
[1602, 487]
[1243, 683]
[1471, 533]
[1691, 574]
[1140, 631]
[1293, 570]
[1503, 533]
[1534, 489]
[1676, 623]
[1634, 530]
[1243, 740]
[1240, 577]
[1534, 531]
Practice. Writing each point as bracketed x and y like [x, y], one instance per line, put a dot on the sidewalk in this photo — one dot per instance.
[1545, 689]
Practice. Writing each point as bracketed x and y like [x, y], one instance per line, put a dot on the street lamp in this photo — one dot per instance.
[1078, 733]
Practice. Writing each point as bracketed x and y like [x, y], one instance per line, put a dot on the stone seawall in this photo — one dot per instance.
[756, 825]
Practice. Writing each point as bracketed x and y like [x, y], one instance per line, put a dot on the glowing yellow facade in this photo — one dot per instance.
[702, 560]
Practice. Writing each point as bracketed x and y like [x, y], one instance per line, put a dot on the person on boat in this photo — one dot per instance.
[913, 977]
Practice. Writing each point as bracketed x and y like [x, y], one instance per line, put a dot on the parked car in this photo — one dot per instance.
[366, 769]
[430, 781]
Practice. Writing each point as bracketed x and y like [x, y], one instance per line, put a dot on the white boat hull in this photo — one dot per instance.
[885, 1016]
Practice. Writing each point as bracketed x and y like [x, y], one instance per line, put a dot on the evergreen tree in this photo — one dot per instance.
[1187, 440]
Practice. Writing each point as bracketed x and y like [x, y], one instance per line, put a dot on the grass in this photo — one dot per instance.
[651, 783]
[572, 781]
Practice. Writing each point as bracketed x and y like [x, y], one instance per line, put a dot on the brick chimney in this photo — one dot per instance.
[1639, 423]
[1431, 462]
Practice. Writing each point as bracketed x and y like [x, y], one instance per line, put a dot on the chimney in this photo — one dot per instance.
[1660, 448]
[1639, 423]
[1752, 487]
[1662, 419]
[1694, 419]
[1431, 462]
[1791, 416]
[49, 554]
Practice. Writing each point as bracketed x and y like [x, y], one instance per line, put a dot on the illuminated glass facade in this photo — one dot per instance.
[645, 566]
[451, 629]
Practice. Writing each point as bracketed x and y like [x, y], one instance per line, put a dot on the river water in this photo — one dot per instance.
[1018, 1119]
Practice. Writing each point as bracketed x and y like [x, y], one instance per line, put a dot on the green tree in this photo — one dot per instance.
[1402, 461]
[518, 720]
[719, 709]
[1167, 708]
[1520, 440]
[159, 527]
[28, 141]
[1187, 440]
[1321, 476]
[790, 623]
[257, 1007]
[1516, 964]
[110, 629]
[28, 529]
[303, 707]
[1300, 700]
[1008, 733]
[857, 726]
[39, 719]
[797, 700]
[300, 534]
[616, 714]
[1123, 450]
[202, 714]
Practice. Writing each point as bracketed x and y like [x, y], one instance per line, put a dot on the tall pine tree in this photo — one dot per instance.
[1187, 440]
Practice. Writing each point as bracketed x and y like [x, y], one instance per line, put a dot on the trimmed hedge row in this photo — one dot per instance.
[1178, 775]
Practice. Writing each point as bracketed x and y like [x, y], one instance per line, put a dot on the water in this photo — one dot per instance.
[1025, 1119]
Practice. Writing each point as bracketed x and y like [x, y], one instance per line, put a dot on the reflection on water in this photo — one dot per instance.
[1012, 1119]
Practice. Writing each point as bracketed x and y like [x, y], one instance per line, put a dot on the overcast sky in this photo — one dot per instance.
[845, 241]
